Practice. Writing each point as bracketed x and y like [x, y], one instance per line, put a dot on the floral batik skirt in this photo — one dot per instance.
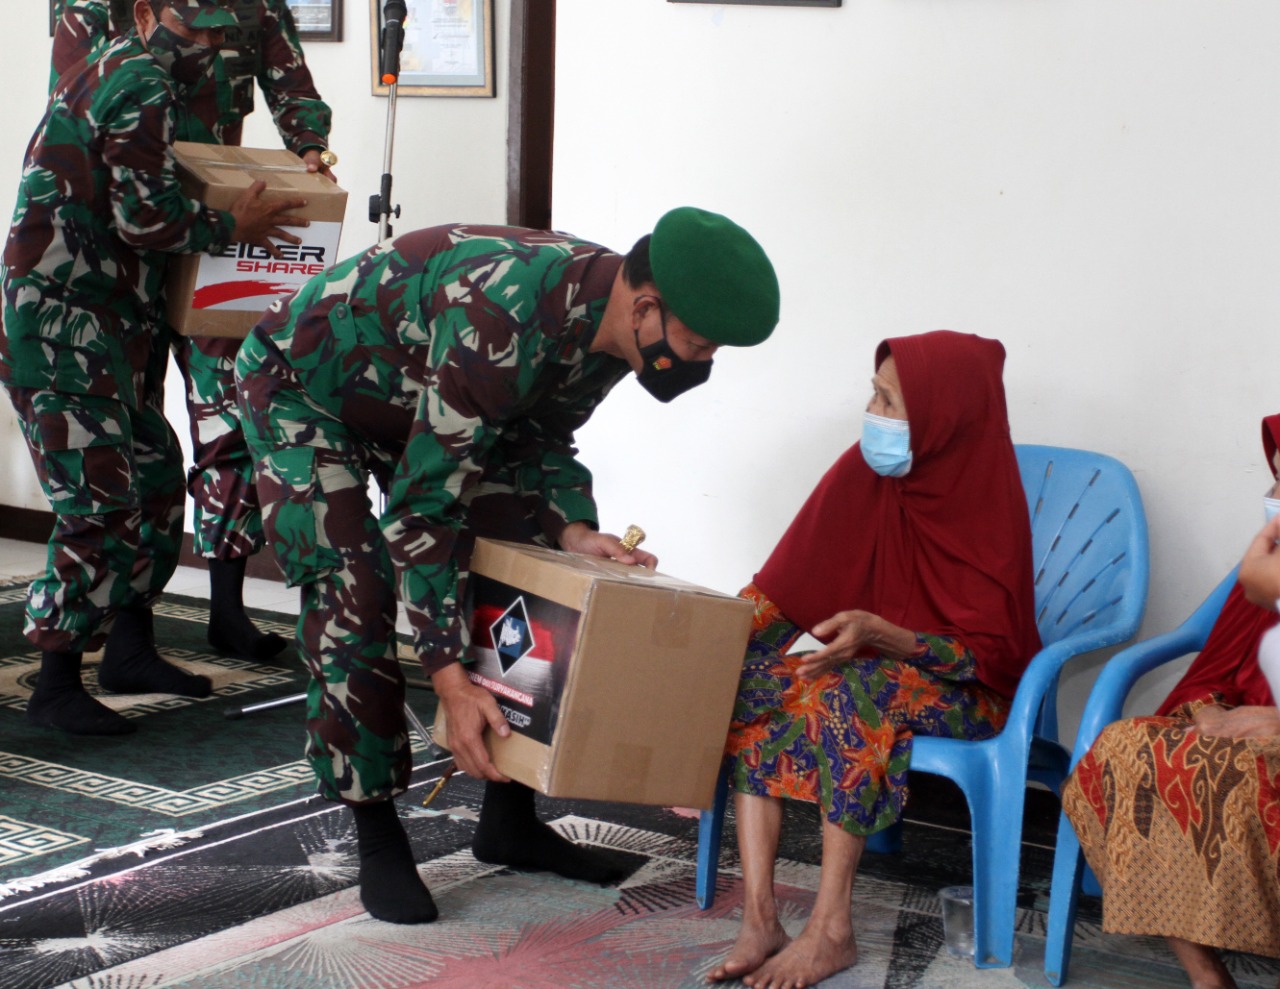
[1183, 831]
[843, 741]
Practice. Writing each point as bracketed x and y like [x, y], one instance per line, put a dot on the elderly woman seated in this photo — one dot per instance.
[911, 561]
[1179, 814]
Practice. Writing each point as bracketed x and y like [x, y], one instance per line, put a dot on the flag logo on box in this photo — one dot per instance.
[512, 635]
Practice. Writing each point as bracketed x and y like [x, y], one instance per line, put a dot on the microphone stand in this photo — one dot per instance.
[393, 15]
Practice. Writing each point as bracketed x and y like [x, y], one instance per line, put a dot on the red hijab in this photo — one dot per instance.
[945, 549]
[1228, 663]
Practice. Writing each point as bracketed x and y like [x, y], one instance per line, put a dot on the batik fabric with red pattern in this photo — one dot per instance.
[1182, 830]
[843, 741]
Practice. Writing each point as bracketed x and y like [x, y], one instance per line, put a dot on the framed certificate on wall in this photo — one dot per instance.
[448, 48]
[317, 20]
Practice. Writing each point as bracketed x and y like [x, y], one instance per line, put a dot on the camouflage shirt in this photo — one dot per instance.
[456, 355]
[98, 209]
[264, 47]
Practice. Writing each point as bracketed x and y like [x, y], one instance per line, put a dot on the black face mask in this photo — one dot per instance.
[187, 61]
[665, 373]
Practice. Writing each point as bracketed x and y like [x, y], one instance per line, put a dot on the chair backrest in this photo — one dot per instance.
[1089, 543]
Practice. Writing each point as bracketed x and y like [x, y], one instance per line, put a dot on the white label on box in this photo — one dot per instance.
[245, 278]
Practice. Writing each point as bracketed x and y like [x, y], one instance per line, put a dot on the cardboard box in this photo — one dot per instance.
[225, 295]
[618, 682]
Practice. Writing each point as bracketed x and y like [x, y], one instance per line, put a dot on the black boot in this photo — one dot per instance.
[60, 700]
[230, 629]
[390, 887]
[131, 665]
[510, 834]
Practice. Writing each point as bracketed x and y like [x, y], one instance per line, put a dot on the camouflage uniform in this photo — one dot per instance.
[227, 522]
[98, 208]
[452, 364]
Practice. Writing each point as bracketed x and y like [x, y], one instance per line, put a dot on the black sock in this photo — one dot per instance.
[390, 887]
[60, 700]
[131, 665]
[510, 834]
[230, 629]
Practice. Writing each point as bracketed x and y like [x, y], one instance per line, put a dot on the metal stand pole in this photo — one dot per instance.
[385, 209]
[417, 725]
[236, 713]
[393, 15]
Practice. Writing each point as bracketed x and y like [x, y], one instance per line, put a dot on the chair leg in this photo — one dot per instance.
[888, 841]
[997, 841]
[1064, 893]
[710, 826]
[1089, 884]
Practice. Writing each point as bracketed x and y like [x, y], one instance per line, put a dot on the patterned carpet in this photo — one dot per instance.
[253, 886]
[269, 901]
[66, 798]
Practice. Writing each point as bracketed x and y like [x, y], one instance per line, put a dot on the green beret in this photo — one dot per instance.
[203, 14]
[714, 276]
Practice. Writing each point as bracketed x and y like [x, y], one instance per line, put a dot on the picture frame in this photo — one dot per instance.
[317, 20]
[771, 3]
[53, 15]
[448, 48]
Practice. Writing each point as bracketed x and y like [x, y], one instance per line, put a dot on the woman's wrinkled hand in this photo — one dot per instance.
[853, 630]
[1249, 721]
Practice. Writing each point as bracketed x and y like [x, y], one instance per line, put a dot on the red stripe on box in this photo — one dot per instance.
[214, 295]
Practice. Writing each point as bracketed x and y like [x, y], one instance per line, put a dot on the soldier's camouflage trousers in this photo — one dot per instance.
[227, 523]
[312, 475]
[113, 477]
[319, 519]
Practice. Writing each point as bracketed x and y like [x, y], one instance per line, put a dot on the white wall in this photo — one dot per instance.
[1097, 184]
[1094, 183]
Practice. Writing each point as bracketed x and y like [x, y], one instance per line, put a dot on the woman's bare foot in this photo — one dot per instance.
[807, 960]
[756, 944]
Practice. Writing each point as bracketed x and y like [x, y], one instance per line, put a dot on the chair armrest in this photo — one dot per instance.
[1045, 667]
[1123, 670]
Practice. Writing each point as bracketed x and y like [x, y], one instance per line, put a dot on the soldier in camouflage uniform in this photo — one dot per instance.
[263, 45]
[454, 365]
[99, 210]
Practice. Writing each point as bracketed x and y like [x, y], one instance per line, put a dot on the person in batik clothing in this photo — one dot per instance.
[911, 562]
[1179, 814]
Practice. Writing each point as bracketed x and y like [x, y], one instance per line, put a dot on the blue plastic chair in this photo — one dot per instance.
[1105, 705]
[1089, 546]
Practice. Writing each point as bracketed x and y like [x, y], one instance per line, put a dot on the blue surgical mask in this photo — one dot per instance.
[886, 445]
[1271, 506]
